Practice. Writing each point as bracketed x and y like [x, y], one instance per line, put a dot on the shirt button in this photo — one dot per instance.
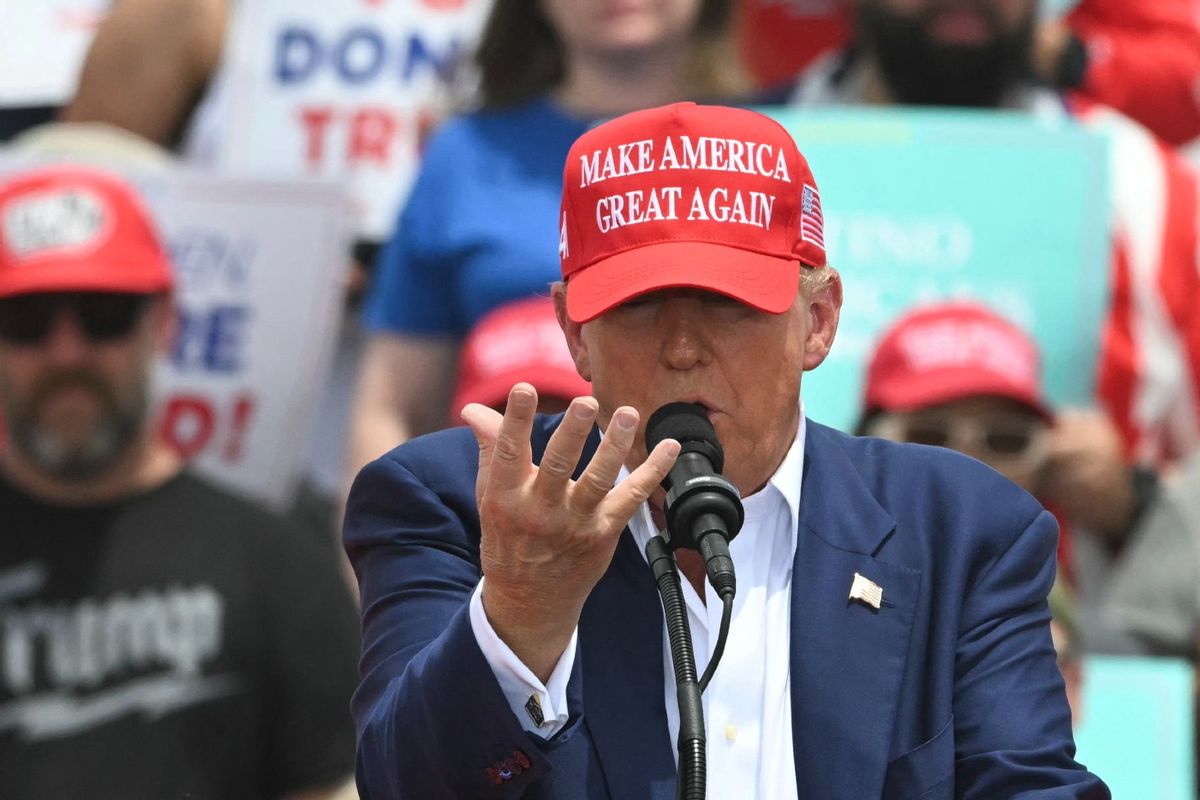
[731, 732]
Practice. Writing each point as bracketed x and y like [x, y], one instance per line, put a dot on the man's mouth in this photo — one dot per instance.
[963, 27]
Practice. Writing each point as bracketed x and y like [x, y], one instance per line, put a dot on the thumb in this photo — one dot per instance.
[485, 424]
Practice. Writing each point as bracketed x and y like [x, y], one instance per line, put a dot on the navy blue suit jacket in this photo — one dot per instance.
[949, 690]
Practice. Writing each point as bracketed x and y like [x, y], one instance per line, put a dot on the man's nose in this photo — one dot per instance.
[685, 341]
[66, 343]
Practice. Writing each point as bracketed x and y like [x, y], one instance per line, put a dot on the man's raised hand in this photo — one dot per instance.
[547, 539]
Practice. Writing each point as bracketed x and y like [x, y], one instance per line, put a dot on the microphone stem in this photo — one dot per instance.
[691, 743]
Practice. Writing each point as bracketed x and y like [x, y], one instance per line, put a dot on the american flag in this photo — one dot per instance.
[812, 222]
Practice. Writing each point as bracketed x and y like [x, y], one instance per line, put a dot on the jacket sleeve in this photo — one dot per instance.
[431, 719]
[1144, 60]
[1011, 719]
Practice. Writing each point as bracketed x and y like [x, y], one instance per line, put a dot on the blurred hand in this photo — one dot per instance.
[546, 539]
[1086, 475]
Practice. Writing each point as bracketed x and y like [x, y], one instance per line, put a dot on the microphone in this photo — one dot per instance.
[703, 509]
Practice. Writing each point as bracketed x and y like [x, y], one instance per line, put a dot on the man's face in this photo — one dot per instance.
[1002, 433]
[74, 397]
[742, 365]
[948, 52]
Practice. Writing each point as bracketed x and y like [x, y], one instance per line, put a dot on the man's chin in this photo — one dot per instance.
[71, 458]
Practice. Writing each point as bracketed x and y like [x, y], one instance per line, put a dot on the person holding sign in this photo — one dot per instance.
[973, 54]
[890, 637]
[162, 637]
[479, 229]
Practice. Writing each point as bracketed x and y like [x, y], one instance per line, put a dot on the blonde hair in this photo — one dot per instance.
[814, 279]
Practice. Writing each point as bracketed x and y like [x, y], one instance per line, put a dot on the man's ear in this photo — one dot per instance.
[824, 308]
[573, 331]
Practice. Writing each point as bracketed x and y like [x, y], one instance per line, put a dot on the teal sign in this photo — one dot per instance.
[925, 206]
[1136, 726]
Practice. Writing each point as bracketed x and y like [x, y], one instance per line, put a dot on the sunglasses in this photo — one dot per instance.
[1008, 438]
[102, 316]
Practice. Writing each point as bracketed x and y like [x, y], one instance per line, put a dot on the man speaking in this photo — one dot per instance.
[890, 635]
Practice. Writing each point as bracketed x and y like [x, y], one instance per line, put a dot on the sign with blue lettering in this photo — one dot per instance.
[924, 206]
[341, 90]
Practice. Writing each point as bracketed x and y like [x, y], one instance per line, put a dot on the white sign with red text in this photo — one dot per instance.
[260, 269]
[42, 46]
[340, 90]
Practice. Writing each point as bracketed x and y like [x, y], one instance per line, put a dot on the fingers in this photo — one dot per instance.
[598, 479]
[623, 501]
[562, 452]
[485, 424]
[511, 458]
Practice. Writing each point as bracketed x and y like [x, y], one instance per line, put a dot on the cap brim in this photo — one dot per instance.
[768, 283]
[947, 386]
[84, 276]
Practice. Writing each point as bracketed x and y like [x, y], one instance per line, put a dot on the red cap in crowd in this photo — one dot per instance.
[687, 196]
[520, 341]
[949, 352]
[74, 229]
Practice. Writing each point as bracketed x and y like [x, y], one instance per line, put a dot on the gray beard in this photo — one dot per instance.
[104, 447]
[112, 436]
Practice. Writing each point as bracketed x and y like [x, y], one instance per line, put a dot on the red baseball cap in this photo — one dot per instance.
[77, 229]
[951, 351]
[520, 341]
[687, 196]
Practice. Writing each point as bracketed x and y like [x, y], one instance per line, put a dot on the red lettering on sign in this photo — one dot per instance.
[372, 133]
[192, 424]
[315, 122]
[243, 410]
[187, 424]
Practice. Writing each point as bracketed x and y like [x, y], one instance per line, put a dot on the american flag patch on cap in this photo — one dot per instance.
[812, 221]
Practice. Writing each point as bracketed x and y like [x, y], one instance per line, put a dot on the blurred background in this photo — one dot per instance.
[361, 201]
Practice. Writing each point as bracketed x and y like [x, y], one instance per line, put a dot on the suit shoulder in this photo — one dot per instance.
[909, 479]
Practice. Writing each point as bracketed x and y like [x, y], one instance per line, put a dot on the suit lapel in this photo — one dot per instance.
[621, 645]
[847, 659]
[621, 652]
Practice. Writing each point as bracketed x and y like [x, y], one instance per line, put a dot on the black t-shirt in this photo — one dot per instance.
[181, 643]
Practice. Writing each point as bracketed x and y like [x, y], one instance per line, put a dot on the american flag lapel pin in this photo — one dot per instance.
[866, 591]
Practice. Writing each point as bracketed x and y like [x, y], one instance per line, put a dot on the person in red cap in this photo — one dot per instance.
[162, 638]
[889, 636]
[519, 341]
[959, 375]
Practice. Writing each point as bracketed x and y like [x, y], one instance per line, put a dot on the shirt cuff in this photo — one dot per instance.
[541, 709]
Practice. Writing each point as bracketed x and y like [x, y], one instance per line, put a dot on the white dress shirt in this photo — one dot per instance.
[747, 705]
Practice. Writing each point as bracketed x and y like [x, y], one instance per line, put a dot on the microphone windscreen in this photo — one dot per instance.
[685, 423]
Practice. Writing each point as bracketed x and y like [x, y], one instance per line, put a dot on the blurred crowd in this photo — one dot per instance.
[456, 195]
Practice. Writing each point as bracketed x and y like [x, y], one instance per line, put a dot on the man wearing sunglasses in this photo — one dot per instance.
[160, 637]
[958, 375]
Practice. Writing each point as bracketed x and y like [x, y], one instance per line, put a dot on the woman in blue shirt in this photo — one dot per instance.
[480, 227]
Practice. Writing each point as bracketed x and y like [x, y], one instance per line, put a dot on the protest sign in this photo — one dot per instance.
[923, 206]
[261, 267]
[341, 90]
[42, 46]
